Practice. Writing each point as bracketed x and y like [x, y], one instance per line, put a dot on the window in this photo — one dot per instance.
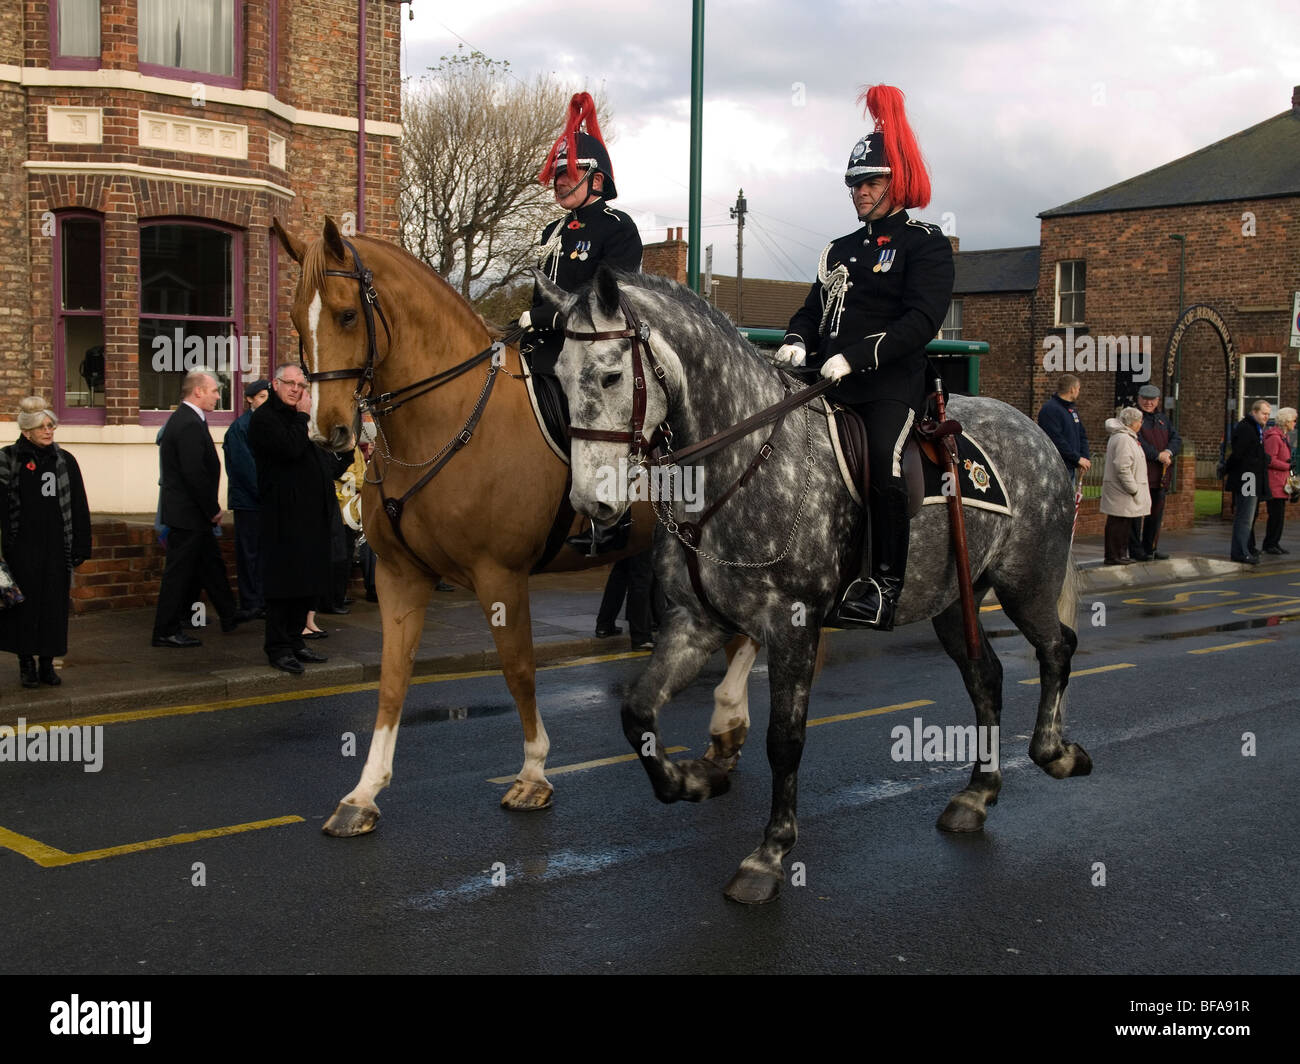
[190, 317]
[951, 327]
[1070, 283]
[1259, 379]
[190, 37]
[74, 34]
[79, 318]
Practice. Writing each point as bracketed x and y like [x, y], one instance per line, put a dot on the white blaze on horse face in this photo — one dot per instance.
[313, 323]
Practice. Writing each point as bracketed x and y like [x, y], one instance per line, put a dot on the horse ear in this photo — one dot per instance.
[333, 239]
[606, 291]
[554, 296]
[293, 246]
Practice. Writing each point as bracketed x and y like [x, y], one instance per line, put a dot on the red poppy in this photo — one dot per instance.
[575, 224]
[882, 240]
[31, 466]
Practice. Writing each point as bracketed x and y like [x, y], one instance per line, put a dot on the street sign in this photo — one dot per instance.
[1295, 321]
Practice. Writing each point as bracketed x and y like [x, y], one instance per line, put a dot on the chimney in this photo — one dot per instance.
[1295, 99]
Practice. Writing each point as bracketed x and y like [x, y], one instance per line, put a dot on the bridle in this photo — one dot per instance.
[641, 446]
[384, 404]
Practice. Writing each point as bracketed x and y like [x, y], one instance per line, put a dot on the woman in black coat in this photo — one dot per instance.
[44, 535]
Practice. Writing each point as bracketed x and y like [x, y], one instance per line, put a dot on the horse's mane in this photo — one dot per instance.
[691, 300]
[315, 261]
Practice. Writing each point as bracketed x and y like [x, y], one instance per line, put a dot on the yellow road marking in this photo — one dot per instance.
[869, 712]
[1087, 672]
[1232, 646]
[131, 716]
[589, 764]
[678, 749]
[49, 857]
[990, 609]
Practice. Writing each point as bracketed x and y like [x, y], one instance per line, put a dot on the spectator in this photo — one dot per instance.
[1246, 471]
[297, 497]
[45, 534]
[630, 578]
[190, 476]
[241, 497]
[1059, 418]
[1160, 444]
[1125, 494]
[1277, 448]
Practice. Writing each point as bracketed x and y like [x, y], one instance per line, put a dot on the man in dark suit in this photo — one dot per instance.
[1247, 479]
[190, 474]
[296, 483]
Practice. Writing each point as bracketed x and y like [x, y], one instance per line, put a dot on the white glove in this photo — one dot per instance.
[525, 320]
[790, 354]
[836, 367]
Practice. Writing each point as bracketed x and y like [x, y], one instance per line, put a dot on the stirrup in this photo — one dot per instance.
[603, 540]
[868, 603]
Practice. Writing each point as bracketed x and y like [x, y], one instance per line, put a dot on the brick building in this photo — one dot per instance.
[149, 143]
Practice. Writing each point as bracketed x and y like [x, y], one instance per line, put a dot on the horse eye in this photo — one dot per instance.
[347, 317]
[610, 379]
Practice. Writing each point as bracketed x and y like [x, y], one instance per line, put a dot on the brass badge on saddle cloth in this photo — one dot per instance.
[981, 484]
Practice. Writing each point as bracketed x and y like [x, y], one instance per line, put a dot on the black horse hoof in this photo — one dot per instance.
[750, 886]
[963, 814]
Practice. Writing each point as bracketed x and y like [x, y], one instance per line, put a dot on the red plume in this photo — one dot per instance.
[582, 109]
[911, 177]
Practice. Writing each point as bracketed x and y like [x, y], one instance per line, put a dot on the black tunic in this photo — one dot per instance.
[35, 555]
[898, 275]
[588, 236]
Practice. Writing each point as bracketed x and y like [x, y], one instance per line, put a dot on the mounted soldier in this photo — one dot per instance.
[880, 296]
[591, 232]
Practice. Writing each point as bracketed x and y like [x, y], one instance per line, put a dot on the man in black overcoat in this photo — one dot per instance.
[191, 473]
[297, 492]
[1247, 479]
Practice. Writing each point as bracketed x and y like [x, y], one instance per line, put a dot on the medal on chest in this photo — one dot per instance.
[580, 250]
[885, 261]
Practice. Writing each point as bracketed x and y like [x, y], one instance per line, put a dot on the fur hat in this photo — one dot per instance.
[32, 413]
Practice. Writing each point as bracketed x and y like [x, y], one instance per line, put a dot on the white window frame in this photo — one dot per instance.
[1274, 378]
[1080, 293]
[951, 327]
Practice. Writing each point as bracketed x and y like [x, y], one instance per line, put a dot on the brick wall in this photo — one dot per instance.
[1002, 319]
[667, 258]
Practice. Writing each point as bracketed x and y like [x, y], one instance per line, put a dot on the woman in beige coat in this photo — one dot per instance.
[1124, 491]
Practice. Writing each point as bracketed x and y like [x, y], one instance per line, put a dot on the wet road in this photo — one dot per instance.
[1172, 857]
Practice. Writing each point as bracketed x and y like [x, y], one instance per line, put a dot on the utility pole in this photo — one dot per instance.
[738, 212]
[706, 289]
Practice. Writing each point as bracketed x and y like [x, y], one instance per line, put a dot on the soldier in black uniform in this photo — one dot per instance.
[592, 232]
[880, 296]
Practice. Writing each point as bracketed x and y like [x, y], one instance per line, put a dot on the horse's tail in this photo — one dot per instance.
[1067, 604]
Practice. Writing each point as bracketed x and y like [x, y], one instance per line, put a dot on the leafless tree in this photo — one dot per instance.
[473, 140]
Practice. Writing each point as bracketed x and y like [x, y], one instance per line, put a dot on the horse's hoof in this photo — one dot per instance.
[1073, 761]
[526, 795]
[750, 886]
[964, 813]
[703, 779]
[351, 820]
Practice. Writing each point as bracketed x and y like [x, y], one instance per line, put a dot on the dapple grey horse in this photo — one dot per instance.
[774, 555]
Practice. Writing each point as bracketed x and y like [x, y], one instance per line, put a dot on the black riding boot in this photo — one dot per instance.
[607, 539]
[870, 603]
[27, 671]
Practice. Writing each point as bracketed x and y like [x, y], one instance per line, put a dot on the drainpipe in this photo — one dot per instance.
[361, 117]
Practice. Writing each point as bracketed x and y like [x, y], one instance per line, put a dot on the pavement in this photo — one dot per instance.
[111, 667]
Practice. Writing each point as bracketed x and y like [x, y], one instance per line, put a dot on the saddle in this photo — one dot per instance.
[850, 441]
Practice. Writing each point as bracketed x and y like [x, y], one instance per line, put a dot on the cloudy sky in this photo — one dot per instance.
[1019, 106]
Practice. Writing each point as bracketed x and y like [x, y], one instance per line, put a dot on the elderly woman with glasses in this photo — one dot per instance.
[44, 535]
[1125, 493]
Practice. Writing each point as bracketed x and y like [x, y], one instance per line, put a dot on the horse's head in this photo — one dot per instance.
[336, 334]
[599, 376]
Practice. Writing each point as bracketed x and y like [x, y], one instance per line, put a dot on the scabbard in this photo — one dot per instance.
[961, 554]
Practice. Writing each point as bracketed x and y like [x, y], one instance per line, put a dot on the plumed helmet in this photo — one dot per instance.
[580, 152]
[890, 148]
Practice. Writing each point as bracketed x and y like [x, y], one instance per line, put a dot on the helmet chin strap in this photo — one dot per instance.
[585, 180]
[865, 215]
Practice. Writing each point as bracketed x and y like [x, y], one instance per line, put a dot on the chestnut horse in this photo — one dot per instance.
[483, 520]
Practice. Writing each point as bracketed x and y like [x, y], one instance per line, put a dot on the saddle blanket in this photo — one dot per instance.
[978, 478]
